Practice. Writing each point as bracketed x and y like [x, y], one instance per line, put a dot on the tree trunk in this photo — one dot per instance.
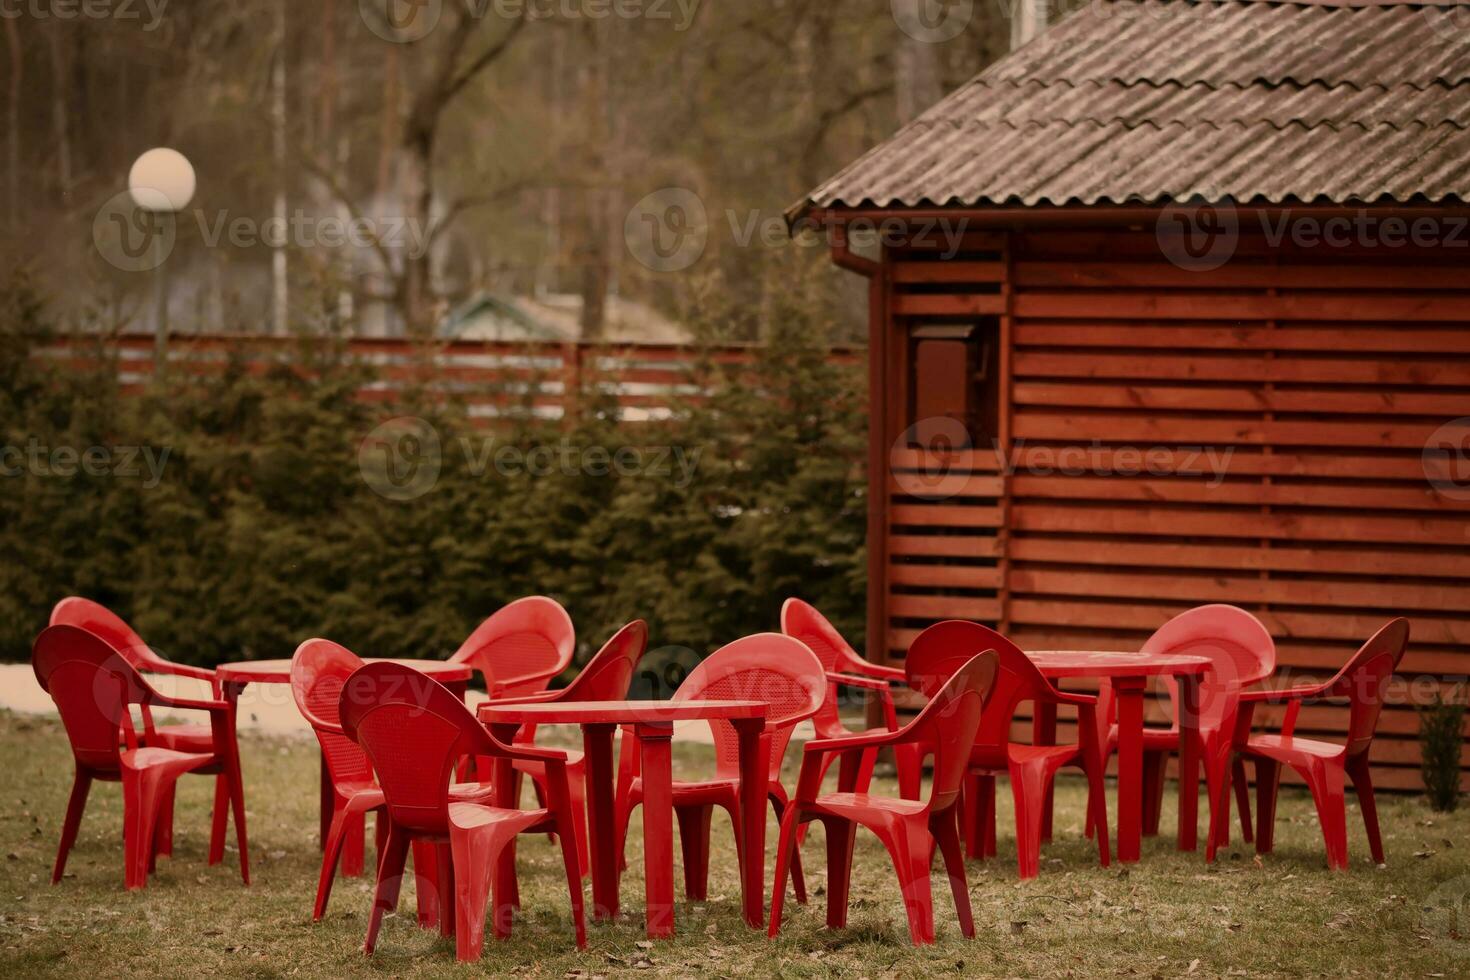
[593, 258]
[12, 122]
[59, 81]
[916, 78]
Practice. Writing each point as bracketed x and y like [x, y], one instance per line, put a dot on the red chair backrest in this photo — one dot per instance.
[415, 731]
[768, 667]
[952, 719]
[1364, 680]
[938, 652]
[1236, 642]
[319, 670]
[801, 621]
[97, 618]
[608, 674]
[521, 647]
[92, 685]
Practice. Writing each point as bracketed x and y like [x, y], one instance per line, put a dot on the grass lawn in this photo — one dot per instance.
[1167, 916]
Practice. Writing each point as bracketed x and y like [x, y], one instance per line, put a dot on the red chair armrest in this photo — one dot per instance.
[1284, 695]
[189, 704]
[852, 680]
[847, 743]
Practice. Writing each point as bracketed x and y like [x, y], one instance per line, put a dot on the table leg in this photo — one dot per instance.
[230, 692]
[597, 744]
[1189, 761]
[1044, 732]
[754, 775]
[1130, 692]
[656, 744]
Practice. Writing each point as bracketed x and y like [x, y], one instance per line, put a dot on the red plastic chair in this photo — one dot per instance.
[520, 648]
[415, 731]
[908, 828]
[845, 668]
[605, 678]
[1326, 765]
[768, 667]
[101, 621]
[93, 687]
[318, 671]
[934, 656]
[1243, 654]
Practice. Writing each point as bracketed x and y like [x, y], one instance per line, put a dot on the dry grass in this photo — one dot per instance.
[1167, 916]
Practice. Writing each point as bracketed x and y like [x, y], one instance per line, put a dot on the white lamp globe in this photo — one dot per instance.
[162, 180]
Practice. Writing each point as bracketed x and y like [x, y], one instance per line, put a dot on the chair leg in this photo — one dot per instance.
[1362, 777]
[81, 785]
[786, 845]
[1155, 768]
[694, 842]
[577, 792]
[1218, 780]
[567, 806]
[1242, 803]
[912, 848]
[219, 819]
[1097, 807]
[237, 810]
[841, 834]
[1267, 773]
[798, 878]
[474, 857]
[947, 833]
[1327, 784]
[331, 854]
[390, 879]
[163, 837]
[1029, 791]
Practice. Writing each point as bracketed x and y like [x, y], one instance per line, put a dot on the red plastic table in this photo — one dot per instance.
[1129, 674]
[234, 678]
[652, 723]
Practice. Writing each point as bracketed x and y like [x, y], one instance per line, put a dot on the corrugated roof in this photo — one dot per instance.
[1143, 101]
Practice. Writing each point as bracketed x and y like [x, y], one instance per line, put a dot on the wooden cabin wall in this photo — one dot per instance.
[1315, 375]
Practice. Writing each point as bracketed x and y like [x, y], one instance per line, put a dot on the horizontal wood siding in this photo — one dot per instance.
[1252, 435]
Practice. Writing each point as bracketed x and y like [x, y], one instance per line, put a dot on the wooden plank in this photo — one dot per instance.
[939, 607]
[949, 272]
[912, 574]
[1235, 275]
[1243, 461]
[983, 459]
[952, 484]
[1198, 397]
[1361, 560]
[1422, 306]
[948, 304]
[1227, 523]
[1164, 489]
[1118, 427]
[1335, 370]
[943, 545]
[944, 516]
[1339, 337]
[1131, 584]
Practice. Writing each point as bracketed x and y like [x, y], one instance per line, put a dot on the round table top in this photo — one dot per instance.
[618, 712]
[279, 671]
[1112, 663]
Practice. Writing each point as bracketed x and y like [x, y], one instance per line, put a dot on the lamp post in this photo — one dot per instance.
[161, 183]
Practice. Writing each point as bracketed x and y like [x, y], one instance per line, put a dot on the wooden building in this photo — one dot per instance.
[1178, 311]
